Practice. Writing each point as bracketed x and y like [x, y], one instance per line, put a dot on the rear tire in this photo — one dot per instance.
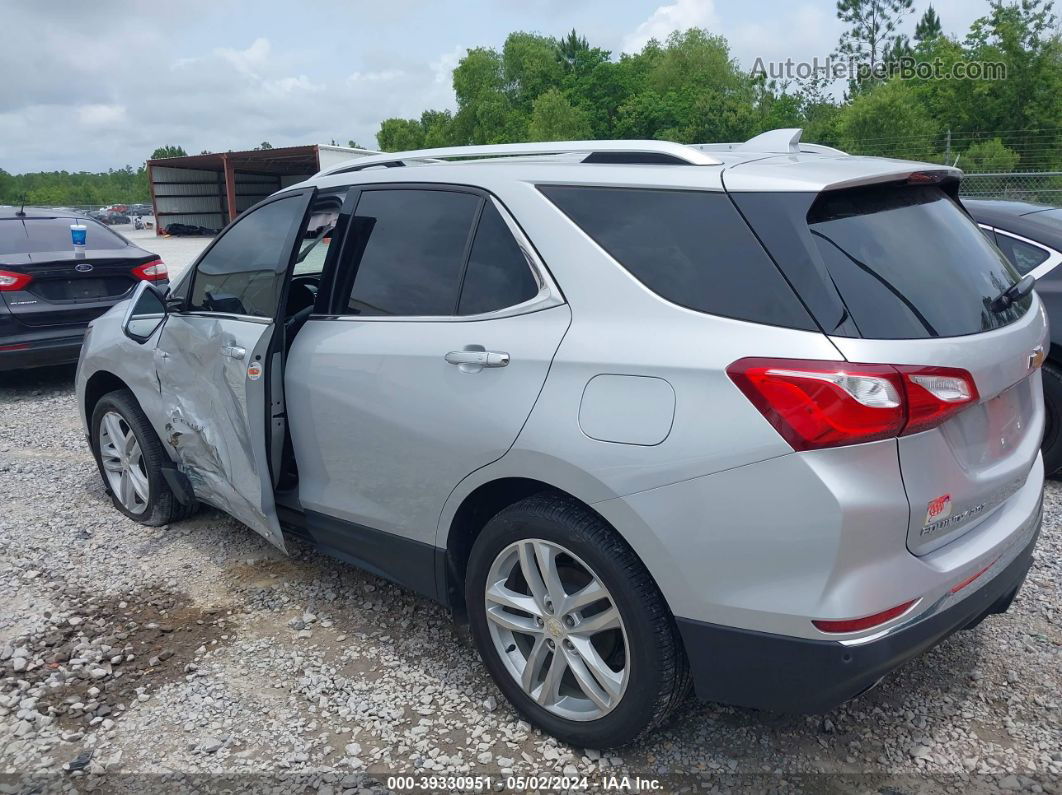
[1052, 443]
[647, 674]
[130, 459]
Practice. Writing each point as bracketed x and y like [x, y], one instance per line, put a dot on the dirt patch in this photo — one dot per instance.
[118, 650]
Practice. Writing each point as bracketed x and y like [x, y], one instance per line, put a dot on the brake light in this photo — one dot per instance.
[934, 394]
[817, 404]
[10, 281]
[866, 622]
[153, 271]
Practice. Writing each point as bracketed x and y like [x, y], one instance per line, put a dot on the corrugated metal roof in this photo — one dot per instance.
[282, 160]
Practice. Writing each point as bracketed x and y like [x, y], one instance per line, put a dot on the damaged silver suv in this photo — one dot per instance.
[759, 418]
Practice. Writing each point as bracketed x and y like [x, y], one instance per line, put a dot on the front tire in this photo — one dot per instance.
[571, 626]
[130, 459]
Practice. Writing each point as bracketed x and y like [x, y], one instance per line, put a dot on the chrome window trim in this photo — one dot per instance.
[1054, 258]
[265, 321]
[548, 296]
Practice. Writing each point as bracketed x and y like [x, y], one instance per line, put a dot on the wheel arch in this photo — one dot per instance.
[471, 515]
[99, 384]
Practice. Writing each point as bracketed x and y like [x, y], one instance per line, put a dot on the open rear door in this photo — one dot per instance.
[213, 362]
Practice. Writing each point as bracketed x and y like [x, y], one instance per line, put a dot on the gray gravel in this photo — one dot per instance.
[197, 648]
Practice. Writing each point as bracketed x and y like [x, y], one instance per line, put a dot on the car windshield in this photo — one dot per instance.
[33, 235]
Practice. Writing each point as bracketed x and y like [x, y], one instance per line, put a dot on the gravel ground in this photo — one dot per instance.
[128, 651]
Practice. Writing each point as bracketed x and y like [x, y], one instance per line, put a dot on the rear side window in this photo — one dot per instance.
[34, 235]
[498, 274]
[1023, 256]
[909, 263]
[412, 251]
[689, 247]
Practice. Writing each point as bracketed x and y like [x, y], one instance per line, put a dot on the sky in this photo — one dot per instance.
[97, 85]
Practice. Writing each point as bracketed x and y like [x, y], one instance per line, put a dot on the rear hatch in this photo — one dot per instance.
[65, 288]
[897, 273]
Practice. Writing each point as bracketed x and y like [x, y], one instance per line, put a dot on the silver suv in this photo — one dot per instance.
[762, 418]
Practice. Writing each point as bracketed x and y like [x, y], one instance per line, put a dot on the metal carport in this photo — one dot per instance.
[209, 190]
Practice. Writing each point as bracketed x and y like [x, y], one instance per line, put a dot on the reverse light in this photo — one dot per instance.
[816, 404]
[866, 622]
[11, 281]
[153, 271]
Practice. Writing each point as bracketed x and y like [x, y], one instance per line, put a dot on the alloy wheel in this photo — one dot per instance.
[557, 629]
[123, 462]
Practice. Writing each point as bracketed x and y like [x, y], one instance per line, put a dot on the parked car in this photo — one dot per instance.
[49, 292]
[139, 210]
[641, 413]
[1030, 236]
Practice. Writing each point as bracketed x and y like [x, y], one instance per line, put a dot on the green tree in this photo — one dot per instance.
[571, 48]
[928, 27]
[263, 145]
[400, 135]
[553, 118]
[168, 151]
[889, 115]
[870, 34]
[990, 155]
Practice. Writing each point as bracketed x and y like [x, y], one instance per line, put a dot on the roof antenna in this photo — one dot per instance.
[22, 210]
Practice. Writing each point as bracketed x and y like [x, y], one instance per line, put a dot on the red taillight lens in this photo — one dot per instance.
[153, 271]
[866, 622]
[934, 394]
[816, 404]
[9, 281]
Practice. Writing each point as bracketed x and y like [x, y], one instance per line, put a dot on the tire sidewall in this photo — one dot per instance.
[122, 405]
[1052, 442]
[636, 707]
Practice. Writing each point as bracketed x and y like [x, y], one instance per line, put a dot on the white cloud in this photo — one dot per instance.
[375, 77]
[666, 19]
[249, 62]
[101, 115]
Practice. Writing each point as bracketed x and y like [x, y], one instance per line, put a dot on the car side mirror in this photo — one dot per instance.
[147, 310]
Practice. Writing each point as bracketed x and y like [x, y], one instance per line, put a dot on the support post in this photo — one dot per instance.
[230, 187]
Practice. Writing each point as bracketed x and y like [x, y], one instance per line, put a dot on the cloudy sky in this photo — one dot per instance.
[99, 84]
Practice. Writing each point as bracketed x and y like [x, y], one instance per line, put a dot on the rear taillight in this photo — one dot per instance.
[816, 404]
[153, 271]
[866, 622]
[9, 281]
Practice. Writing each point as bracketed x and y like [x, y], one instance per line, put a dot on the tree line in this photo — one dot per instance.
[690, 88]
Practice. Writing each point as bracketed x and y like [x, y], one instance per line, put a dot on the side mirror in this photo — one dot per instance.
[147, 310]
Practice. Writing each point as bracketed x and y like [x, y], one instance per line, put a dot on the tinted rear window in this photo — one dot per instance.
[33, 235]
[689, 247]
[909, 263]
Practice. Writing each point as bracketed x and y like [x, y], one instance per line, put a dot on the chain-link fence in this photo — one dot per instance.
[1044, 187]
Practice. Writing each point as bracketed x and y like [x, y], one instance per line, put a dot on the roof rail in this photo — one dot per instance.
[601, 151]
[784, 140]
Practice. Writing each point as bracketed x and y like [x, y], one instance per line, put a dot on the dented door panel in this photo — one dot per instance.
[212, 377]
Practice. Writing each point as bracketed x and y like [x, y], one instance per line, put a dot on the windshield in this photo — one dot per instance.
[33, 235]
[908, 263]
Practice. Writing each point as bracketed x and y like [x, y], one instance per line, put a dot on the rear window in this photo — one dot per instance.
[909, 263]
[689, 247]
[33, 235]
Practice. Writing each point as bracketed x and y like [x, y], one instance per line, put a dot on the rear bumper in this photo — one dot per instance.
[26, 351]
[788, 674]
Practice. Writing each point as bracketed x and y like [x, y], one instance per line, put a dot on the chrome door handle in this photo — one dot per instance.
[233, 352]
[478, 358]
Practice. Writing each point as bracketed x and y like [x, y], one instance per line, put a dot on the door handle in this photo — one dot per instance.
[478, 358]
[233, 352]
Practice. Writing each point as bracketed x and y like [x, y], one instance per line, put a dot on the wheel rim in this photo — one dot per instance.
[557, 630]
[123, 462]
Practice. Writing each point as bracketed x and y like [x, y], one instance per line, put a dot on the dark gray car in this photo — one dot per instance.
[1030, 235]
[49, 292]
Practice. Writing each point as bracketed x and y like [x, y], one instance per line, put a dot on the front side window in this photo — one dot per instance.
[410, 247]
[243, 272]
